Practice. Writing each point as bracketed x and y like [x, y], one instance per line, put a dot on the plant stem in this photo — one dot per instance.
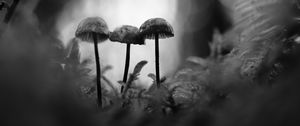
[126, 65]
[157, 60]
[98, 71]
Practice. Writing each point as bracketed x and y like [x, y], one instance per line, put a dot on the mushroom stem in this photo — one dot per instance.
[98, 70]
[157, 59]
[126, 65]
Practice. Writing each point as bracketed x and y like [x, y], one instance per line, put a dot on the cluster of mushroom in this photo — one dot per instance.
[95, 29]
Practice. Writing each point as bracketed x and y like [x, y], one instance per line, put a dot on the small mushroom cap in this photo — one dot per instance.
[127, 34]
[90, 26]
[156, 26]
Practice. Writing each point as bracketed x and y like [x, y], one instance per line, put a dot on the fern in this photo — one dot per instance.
[131, 92]
[133, 76]
[80, 76]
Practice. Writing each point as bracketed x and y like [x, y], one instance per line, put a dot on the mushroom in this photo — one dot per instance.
[129, 35]
[156, 28]
[94, 29]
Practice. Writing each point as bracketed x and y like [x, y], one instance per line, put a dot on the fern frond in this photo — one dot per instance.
[134, 76]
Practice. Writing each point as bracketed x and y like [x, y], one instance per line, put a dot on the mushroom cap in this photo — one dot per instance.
[156, 26]
[90, 26]
[127, 34]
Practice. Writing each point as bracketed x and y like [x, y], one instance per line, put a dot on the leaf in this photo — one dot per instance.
[106, 68]
[108, 82]
[121, 83]
[85, 62]
[141, 92]
[136, 72]
[138, 68]
[163, 79]
[91, 90]
[69, 47]
[74, 57]
[84, 71]
[152, 76]
[216, 45]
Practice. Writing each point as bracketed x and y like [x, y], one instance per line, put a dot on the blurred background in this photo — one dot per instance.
[42, 71]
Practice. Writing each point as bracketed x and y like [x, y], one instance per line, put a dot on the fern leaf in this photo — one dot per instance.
[136, 72]
[74, 56]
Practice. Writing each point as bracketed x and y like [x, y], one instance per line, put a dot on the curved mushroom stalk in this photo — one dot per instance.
[94, 30]
[156, 28]
[157, 59]
[98, 69]
[127, 62]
